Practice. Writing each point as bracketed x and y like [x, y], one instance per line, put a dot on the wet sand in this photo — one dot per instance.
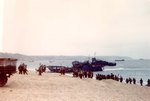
[53, 87]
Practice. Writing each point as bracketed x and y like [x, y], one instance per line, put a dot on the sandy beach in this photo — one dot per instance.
[53, 87]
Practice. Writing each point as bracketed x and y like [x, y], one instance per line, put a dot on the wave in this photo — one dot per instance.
[112, 69]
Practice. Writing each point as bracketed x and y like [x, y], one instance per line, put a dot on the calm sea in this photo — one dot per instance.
[128, 68]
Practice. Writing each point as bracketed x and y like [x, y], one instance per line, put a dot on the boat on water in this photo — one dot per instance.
[95, 65]
[120, 60]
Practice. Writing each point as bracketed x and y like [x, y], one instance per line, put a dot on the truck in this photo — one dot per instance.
[7, 68]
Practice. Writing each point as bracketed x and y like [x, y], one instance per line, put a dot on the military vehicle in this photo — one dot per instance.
[7, 68]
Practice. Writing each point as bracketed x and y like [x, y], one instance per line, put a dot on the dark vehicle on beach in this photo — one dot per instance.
[95, 65]
[56, 69]
[7, 68]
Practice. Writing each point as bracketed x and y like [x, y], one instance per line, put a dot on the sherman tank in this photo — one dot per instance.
[94, 65]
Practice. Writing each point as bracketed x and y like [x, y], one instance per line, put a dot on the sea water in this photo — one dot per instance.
[130, 68]
[133, 68]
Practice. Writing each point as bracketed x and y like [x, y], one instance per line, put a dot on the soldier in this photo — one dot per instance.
[121, 78]
[127, 80]
[40, 69]
[20, 68]
[80, 74]
[148, 82]
[130, 80]
[141, 82]
[25, 70]
[85, 74]
[91, 74]
[134, 81]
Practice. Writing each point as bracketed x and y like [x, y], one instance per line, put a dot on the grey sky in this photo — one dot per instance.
[77, 27]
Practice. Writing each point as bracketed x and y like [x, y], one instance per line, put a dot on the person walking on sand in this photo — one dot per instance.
[141, 82]
[40, 69]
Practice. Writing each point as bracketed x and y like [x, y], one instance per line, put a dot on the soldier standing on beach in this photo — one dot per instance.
[134, 81]
[121, 79]
[141, 82]
[130, 80]
[148, 82]
[127, 80]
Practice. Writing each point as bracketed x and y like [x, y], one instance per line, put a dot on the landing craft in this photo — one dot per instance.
[95, 65]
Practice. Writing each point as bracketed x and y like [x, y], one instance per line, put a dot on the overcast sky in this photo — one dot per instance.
[77, 27]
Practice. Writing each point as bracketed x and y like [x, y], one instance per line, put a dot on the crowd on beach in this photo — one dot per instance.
[85, 74]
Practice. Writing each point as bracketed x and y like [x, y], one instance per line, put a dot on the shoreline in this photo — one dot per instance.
[94, 76]
[53, 87]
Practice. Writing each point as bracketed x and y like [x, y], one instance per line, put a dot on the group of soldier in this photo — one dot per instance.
[82, 74]
[120, 79]
[130, 80]
[23, 69]
[111, 76]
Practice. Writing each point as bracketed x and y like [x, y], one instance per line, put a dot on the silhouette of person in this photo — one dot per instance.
[130, 80]
[134, 81]
[148, 82]
[121, 79]
[127, 80]
[141, 82]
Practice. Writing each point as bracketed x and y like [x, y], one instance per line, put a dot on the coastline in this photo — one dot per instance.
[53, 87]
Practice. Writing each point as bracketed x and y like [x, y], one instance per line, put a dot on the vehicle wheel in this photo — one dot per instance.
[3, 80]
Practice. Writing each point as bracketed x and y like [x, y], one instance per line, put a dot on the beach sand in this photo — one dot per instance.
[53, 87]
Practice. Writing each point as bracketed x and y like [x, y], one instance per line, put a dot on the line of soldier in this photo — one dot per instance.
[129, 80]
[120, 79]
[82, 74]
[22, 69]
[111, 76]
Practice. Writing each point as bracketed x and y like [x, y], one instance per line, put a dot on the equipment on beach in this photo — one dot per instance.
[7, 68]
